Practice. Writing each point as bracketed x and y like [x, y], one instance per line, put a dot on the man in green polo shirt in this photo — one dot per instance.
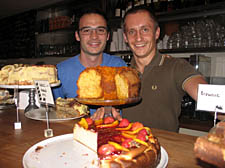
[164, 79]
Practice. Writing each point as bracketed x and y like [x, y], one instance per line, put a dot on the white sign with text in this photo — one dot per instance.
[211, 98]
[44, 92]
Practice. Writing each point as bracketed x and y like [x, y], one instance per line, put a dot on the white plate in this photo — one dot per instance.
[40, 114]
[63, 151]
[25, 86]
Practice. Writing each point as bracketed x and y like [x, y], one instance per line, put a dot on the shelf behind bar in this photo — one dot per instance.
[192, 12]
[194, 50]
[180, 50]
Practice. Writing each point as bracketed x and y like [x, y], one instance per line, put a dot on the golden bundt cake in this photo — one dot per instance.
[108, 83]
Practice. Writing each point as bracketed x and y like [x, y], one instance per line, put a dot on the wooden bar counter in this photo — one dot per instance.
[14, 143]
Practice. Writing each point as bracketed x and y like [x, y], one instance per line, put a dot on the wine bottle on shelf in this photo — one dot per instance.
[178, 4]
[156, 4]
[129, 5]
[136, 2]
[170, 5]
[163, 5]
[123, 7]
[199, 2]
[148, 2]
[142, 2]
[118, 9]
[187, 3]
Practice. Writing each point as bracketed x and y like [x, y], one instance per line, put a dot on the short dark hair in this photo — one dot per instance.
[93, 11]
[139, 9]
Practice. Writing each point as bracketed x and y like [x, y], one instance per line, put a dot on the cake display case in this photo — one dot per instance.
[31, 88]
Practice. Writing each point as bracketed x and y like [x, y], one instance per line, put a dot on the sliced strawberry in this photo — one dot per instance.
[142, 137]
[124, 123]
[108, 120]
[144, 132]
[127, 143]
[89, 121]
[106, 149]
[136, 125]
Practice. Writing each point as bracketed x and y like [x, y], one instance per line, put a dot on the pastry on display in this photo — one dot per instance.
[5, 97]
[70, 108]
[22, 74]
[211, 148]
[4, 94]
[119, 144]
[108, 83]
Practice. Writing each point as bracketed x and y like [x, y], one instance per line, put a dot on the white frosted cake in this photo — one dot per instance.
[21, 74]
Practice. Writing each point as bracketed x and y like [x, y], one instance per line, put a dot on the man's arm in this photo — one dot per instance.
[99, 114]
[191, 85]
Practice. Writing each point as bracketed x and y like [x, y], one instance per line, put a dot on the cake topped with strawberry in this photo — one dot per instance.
[119, 144]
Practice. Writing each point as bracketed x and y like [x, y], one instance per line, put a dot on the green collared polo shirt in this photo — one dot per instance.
[161, 92]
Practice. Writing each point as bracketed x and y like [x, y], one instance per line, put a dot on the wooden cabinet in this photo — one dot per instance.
[17, 39]
[56, 27]
[55, 32]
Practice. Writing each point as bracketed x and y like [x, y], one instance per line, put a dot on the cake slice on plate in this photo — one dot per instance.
[87, 138]
[119, 144]
[70, 108]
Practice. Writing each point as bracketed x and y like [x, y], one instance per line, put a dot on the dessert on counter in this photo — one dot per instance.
[119, 144]
[211, 148]
[22, 74]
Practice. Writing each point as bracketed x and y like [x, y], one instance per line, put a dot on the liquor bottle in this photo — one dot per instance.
[136, 3]
[118, 9]
[186, 3]
[142, 2]
[123, 7]
[199, 2]
[129, 5]
[156, 4]
[178, 4]
[207, 2]
[170, 6]
[148, 2]
[163, 5]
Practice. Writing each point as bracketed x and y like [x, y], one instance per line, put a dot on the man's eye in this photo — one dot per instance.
[86, 30]
[101, 30]
[131, 32]
[146, 30]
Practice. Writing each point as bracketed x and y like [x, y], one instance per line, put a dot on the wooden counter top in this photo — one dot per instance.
[14, 143]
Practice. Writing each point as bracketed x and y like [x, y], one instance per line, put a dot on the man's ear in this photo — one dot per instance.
[157, 33]
[108, 36]
[77, 36]
[125, 37]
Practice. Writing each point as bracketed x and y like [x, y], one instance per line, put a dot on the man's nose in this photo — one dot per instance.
[138, 35]
[94, 33]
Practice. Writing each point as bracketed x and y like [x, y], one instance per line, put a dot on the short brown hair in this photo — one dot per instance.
[141, 9]
[98, 11]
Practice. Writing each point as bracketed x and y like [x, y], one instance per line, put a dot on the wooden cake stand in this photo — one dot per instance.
[108, 104]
